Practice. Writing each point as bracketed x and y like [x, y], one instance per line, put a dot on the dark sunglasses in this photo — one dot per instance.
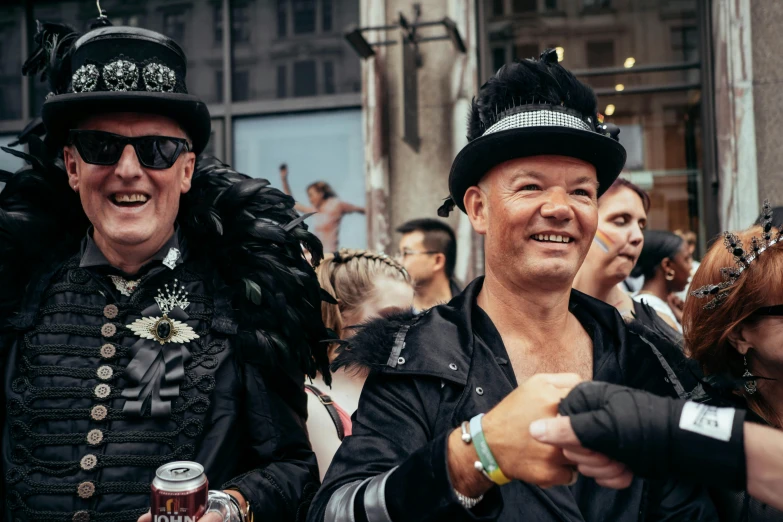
[105, 148]
[769, 310]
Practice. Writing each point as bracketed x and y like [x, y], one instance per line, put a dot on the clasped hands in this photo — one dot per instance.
[530, 443]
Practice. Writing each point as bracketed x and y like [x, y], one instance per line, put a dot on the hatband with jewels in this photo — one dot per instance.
[521, 116]
[126, 69]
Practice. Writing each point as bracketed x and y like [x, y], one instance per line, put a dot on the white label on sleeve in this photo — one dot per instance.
[710, 421]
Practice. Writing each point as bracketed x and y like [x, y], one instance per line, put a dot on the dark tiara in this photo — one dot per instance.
[742, 258]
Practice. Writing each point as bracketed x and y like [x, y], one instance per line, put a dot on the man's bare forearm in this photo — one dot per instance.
[764, 456]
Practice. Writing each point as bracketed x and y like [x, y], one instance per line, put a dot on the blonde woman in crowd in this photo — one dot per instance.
[365, 285]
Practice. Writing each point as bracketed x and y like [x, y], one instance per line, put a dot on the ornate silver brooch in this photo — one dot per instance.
[158, 78]
[124, 286]
[121, 75]
[171, 301]
[85, 79]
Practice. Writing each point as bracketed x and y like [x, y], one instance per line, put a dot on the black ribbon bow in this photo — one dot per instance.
[156, 369]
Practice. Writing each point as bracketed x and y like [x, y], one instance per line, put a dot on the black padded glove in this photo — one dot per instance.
[657, 437]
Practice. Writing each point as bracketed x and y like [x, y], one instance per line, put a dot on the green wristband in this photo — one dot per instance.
[484, 453]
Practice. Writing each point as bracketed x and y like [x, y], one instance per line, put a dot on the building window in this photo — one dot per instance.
[219, 85]
[304, 16]
[217, 23]
[685, 42]
[174, 26]
[596, 4]
[498, 58]
[326, 15]
[304, 79]
[240, 86]
[282, 18]
[525, 6]
[329, 78]
[131, 20]
[282, 81]
[524, 51]
[240, 23]
[600, 54]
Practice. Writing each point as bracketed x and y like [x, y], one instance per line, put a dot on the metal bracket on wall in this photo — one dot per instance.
[409, 34]
[411, 61]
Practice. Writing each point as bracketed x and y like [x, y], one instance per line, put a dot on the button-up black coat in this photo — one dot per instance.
[436, 370]
[69, 449]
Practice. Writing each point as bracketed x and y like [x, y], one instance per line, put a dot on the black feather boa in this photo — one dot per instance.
[369, 347]
[245, 229]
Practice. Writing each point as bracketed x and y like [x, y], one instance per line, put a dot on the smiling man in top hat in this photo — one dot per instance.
[154, 306]
[512, 344]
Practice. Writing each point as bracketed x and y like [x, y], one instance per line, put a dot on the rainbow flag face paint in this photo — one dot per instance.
[603, 240]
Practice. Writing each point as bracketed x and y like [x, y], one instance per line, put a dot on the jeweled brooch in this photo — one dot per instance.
[166, 329]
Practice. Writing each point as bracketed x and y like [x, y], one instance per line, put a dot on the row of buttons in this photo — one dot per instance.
[98, 412]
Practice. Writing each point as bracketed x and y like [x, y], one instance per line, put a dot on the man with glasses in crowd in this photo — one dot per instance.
[154, 306]
[428, 251]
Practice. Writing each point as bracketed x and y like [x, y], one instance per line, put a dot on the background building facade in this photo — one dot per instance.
[692, 84]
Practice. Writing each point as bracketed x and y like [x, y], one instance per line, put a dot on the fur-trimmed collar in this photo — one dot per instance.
[439, 343]
[245, 230]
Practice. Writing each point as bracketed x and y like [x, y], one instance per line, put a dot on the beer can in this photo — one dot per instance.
[179, 492]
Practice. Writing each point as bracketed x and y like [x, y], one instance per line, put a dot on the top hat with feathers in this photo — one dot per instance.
[533, 108]
[113, 69]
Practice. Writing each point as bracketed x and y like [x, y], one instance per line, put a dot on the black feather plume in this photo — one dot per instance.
[524, 82]
[52, 56]
[238, 226]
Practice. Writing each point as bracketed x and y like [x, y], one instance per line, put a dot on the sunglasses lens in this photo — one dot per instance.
[99, 148]
[158, 152]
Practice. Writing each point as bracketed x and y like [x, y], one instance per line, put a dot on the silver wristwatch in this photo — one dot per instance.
[468, 502]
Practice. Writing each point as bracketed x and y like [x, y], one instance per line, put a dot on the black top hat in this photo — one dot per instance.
[534, 108]
[123, 69]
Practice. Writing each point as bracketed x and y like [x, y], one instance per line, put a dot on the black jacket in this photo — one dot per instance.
[70, 450]
[434, 371]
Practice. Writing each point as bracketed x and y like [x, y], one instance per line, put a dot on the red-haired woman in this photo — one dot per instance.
[733, 326]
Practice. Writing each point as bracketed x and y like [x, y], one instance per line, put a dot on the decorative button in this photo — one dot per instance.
[108, 330]
[86, 489]
[88, 462]
[453, 366]
[480, 390]
[400, 360]
[79, 276]
[102, 391]
[110, 311]
[105, 372]
[95, 437]
[81, 516]
[99, 412]
[108, 351]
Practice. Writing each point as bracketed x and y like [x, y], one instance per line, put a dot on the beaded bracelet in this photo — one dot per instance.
[488, 461]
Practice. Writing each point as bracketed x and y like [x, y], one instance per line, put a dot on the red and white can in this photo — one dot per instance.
[179, 492]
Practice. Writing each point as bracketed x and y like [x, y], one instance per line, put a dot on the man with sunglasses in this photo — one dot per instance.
[154, 306]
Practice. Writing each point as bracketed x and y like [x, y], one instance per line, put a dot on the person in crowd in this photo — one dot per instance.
[689, 237]
[657, 437]
[328, 208]
[365, 285]
[428, 251]
[442, 429]
[618, 241]
[665, 263]
[733, 324]
[155, 306]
